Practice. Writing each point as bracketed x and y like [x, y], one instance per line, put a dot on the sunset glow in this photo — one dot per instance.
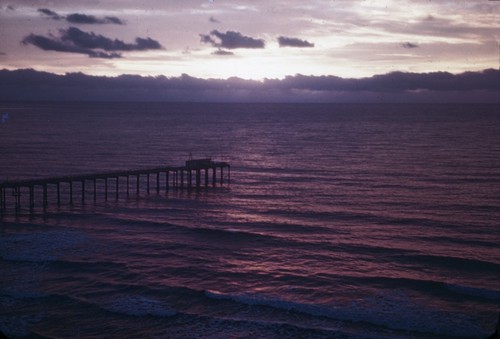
[342, 38]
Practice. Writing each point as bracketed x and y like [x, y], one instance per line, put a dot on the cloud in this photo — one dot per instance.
[214, 20]
[222, 52]
[231, 40]
[73, 40]
[293, 42]
[50, 13]
[78, 18]
[58, 45]
[392, 87]
[409, 45]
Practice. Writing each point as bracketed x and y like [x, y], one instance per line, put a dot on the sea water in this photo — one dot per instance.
[340, 221]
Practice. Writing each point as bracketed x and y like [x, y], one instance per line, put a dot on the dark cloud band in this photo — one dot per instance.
[398, 86]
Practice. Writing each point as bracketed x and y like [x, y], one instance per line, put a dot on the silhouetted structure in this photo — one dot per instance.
[180, 177]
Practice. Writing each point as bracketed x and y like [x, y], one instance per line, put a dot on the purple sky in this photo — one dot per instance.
[257, 40]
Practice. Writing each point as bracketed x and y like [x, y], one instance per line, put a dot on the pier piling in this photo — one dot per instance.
[127, 185]
[174, 177]
[117, 183]
[83, 191]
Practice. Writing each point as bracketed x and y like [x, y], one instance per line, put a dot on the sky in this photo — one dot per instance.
[252, 40]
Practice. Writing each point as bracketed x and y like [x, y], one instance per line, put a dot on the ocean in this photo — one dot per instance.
[340, 221]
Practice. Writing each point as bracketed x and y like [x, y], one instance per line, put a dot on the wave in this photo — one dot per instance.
[18, 326]
[393, 310]
[137, 305]
[15, 293]
[219, 326]
[265, 233]
[427, 287]
[40, 246]
[450, 262]
[370, 218]
[233, 233]
[484, 293]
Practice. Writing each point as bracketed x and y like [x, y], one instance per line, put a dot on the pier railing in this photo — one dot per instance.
[179, 177]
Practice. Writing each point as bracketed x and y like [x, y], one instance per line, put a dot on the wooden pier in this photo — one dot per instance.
[180, 177]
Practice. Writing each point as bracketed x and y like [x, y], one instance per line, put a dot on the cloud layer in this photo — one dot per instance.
[74, 40]
[350, 38]
[392, 87]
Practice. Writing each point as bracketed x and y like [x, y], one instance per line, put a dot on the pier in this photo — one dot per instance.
[204, 173]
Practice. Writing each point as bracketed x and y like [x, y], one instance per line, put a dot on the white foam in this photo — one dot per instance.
[138, 306]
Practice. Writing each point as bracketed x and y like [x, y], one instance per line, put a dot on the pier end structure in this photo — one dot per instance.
[173, 180]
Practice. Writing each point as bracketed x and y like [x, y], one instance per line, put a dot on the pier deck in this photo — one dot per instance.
[176, 177]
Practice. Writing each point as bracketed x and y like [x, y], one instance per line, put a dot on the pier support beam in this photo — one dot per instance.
[137, 184]
[44, 198]
[167, 173]
[17, 195]
[95, 191]
[106, 188]
[117, 184]
[157, 182]
[32, 198]
[148, 184]
[71, 192]
[127, 185]
[83, 191]
[198, 178]
[1, 202]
